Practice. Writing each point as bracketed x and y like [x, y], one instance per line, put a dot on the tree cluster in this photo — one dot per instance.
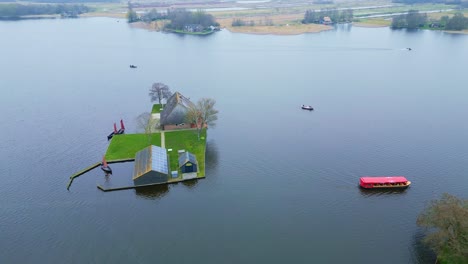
[158, 92]
[323, 2]
[448, 219]
[180, 18]
[457, 22]
[448, 2]
[412, 20]
[237, 22]
[70, 1]
[336, 16]
[19, 10]
[132, 16]
[153, 15]
[202, 114]
[147, 125]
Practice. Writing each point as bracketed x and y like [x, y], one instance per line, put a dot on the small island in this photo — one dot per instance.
[171, 147]
[179, 21]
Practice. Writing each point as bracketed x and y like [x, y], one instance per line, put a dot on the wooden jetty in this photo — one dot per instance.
[144, 185]
[95, 165]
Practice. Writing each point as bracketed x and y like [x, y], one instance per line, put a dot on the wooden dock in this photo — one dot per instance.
[144, 185]
[104, 189]
[120, 160]
[95, 165]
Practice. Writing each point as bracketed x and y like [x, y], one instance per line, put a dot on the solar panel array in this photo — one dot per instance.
[142, 162]
[159, 160]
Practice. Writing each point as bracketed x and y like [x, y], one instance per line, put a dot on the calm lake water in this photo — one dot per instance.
[281, 183]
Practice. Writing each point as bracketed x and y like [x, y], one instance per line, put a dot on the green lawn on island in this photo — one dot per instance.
[157, 108]
[186, 140]
[125, 146]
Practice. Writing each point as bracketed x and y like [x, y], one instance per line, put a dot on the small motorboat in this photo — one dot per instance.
[307, 107]
[122, 128]
[408, 48]
[105, 167]
[109, 137]
[133, 66]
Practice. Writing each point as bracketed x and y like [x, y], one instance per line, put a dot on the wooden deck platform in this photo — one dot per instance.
[95, 165]
[104, 189]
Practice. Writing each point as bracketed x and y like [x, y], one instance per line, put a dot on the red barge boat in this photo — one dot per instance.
[384, 182]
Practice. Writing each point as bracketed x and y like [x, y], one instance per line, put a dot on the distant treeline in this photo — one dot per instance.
[427, 1]
[237, 22]
[153, 15]
[19, 10]
[414, 20]
[336, 16]
[70, 1]
[322, 2]
[448, 2]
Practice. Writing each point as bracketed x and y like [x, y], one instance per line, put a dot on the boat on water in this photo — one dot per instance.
[122, 127]
[384, 182]
[133, 66]
[117, 132]
[307, 107]
[105, 167]
[109, 137]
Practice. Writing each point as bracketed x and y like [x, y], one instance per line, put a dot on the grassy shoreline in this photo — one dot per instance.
[186, 140]
[276, 19]
[126, 146]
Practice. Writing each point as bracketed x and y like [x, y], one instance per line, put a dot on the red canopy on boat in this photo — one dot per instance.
[104, 162]
[389, 179]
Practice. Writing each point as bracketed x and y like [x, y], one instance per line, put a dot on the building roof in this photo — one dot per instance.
[392, 179]
[186, 157]
[169, 113]
[152, 158]
[326, 19]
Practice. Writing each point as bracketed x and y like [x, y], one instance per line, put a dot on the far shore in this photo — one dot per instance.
[283, 30]
[257, 30]
[293, 29]
[285, 24]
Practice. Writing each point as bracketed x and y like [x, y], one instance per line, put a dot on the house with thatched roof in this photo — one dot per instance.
[174, 112]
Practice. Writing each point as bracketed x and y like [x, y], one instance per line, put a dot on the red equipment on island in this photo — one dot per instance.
[122, 127]
[384, 182]
[115, 132]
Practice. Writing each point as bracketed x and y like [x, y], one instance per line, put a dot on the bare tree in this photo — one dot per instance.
[159, 91]
[202, 114]
[147, 125]
[448, 218]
